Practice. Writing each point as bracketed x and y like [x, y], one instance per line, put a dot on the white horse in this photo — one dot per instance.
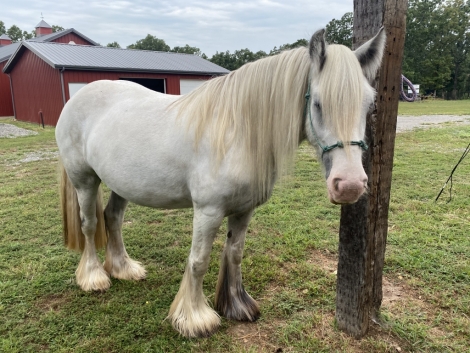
[219, 150]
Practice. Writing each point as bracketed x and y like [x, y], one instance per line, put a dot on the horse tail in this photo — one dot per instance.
[74, 239]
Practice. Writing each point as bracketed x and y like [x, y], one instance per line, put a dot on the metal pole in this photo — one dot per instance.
[62, 84]
[12, 96]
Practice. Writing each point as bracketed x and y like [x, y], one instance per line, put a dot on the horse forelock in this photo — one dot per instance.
[257, 109]
[341, 90]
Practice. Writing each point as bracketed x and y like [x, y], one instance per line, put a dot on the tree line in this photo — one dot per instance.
[17, 35]
[437, 46]
[226, 59]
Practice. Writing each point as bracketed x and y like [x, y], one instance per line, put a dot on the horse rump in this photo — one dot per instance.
[74, 239]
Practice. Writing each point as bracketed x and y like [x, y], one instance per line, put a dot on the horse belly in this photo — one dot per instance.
[161, 194]
[148, 171]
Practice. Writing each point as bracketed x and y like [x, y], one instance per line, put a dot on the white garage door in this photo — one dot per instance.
[75, 87]
[187, 86]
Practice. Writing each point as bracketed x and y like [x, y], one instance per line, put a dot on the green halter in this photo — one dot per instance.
[338, 144]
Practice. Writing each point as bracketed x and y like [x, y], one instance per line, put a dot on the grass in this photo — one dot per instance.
[288, 265]
[435, 107]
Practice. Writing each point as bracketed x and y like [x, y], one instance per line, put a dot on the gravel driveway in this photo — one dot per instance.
[11, 131]
[404, 123]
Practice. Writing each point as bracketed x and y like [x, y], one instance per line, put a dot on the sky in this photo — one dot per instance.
[212, 26]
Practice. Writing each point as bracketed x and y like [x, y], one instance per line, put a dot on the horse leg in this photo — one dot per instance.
[90, 273]
[118, 263]
[231, 299]
[190, 313]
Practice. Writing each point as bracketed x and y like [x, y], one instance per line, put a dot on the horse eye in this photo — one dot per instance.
[317, 105]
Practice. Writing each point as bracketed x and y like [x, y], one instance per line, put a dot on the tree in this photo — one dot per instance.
[426, 61]
[236, 60]
[340, 31]
[15, 34]
[224, 59]
[244, 56]
[29, 35]
[3, 30]
[150, 43]
[113, 45]
[297, 44]
[57, 28]
[437, 46]
[457, 27]
[189, 50]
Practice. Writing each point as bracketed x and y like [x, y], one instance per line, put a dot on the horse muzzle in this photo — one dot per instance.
[343, 191]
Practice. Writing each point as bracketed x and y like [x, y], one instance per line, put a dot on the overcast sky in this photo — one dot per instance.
[207, 24]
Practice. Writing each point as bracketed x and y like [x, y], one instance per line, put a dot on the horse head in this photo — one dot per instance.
[339, 97]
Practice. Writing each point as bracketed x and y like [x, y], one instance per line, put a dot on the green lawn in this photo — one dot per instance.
[435, 107]
[289, 262]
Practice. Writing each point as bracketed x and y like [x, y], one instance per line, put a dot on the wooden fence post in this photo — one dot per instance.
[364, 225]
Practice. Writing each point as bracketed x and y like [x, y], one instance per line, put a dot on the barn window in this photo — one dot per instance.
[75, 87]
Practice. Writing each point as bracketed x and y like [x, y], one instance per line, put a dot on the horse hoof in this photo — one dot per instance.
[203, 323]
[127, 269]
[239, 307]
[91, 276]
[97, 281]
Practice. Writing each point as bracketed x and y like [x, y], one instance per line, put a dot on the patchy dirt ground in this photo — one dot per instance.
[398, 299]
[258, 336]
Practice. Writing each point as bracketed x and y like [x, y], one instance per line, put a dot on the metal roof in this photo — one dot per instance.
[43, 24]
[50, 37]
[4, 36]
[85, 57]
[8, 50]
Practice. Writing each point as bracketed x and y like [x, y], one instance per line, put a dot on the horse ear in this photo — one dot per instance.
[370, 54]
[317, 48]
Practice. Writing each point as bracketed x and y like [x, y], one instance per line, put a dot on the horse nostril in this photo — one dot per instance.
[336, 184]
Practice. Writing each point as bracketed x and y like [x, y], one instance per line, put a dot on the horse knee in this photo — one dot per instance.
[88, 225]
[199, 267]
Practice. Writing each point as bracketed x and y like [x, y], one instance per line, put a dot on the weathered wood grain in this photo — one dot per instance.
[364, 225]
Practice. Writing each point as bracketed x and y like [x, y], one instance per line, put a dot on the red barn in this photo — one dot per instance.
[7, 49]
[45, 75]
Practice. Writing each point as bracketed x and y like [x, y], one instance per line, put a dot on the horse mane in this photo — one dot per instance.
[260, 109]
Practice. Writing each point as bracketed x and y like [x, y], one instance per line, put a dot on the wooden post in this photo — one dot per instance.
[364, 225]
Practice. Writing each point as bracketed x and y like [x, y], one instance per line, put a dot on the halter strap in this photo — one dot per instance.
[338, 144]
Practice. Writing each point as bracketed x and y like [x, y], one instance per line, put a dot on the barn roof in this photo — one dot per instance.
[9, 50]
[96, 58]
[43, 24]
[50, 37]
